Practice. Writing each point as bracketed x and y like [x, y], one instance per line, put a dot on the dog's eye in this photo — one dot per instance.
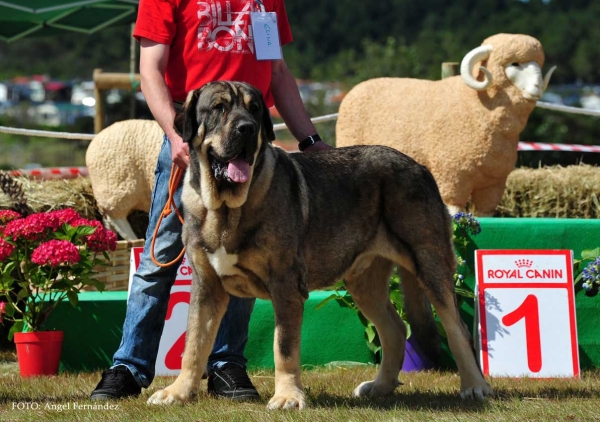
[253, 107]
[219, 108]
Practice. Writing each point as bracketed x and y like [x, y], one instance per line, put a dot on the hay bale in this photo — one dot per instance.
[554, 191]
[47, 195]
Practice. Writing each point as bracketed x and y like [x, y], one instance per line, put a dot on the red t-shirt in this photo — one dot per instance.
[210, 40]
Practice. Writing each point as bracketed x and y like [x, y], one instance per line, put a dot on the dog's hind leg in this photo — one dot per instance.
[369, 289]
[435, 273]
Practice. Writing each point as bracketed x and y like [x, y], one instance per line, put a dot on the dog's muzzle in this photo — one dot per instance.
[236, 169]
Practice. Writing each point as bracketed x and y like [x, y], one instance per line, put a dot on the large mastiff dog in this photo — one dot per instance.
[260, 222]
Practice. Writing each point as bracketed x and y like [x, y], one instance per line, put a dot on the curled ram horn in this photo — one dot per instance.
[548, 76]
[476, 55]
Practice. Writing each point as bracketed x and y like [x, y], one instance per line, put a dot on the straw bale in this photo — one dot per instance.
[47, 195]
[554, 191]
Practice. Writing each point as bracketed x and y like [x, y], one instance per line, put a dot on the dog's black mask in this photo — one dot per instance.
[233, 111]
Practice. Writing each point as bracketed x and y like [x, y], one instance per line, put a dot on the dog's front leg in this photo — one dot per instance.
[288, 305]
[208, 303]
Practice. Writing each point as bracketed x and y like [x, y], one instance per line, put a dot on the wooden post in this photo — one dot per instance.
[104, 81]
[99, 116]
[450, 69]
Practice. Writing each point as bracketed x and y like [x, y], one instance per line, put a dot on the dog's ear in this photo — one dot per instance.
[186, 122]
[267, 124]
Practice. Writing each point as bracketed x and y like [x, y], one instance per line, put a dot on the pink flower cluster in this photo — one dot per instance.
[33, 227]
[2, 310]
[66, 215]
[5, 249]
[99, 241]
[55, 253]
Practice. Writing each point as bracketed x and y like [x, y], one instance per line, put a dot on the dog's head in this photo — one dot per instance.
[226, 125]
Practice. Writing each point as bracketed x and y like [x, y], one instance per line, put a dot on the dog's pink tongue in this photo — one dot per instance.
[238, 170]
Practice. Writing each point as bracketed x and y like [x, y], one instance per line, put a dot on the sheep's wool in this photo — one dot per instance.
[468, 139]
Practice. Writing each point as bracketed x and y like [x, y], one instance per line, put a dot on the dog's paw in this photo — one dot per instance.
[478, 392]
[289, 400]
[167, 397]
[372, 389]
[364, 389]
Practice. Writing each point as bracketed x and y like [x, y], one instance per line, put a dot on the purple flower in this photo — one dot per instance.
[467, 222]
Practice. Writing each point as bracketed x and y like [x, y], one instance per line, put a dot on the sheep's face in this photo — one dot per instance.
[225, 124]
[527, 77]
[504, 59]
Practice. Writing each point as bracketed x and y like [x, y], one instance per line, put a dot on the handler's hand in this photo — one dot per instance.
[180, 152]
[318, 146]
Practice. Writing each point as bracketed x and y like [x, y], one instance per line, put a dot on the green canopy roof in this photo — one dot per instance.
[20, 18]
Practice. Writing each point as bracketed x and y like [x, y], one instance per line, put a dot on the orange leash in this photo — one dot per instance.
[174, 179]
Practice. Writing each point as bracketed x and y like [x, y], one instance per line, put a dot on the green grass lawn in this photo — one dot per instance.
[424, 396]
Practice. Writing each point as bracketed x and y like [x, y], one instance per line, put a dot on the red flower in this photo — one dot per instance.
[32, 227]
[55, 253]
[99, 241]
[5, 249]
[2, 310]
[66, 215]
[8, 215]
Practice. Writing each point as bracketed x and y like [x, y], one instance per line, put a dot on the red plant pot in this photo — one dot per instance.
[38, 353]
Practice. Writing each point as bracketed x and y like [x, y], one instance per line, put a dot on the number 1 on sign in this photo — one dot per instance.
[530, 312]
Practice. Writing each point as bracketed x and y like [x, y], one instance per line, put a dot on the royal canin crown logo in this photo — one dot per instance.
[524, 263]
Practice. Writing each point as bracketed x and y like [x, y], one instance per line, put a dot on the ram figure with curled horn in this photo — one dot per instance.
[464, 129]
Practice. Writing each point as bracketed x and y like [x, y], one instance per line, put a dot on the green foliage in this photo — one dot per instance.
[440, 30]
[68, 55]
[392, 58]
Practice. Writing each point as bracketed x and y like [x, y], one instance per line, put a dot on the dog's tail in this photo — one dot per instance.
[423, 326]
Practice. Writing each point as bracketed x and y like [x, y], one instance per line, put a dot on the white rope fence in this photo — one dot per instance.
[46, 133]
[316, 120]
[320, 119]
[568, 109]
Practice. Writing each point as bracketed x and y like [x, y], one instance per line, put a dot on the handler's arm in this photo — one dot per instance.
[290, 106]
[153, 62]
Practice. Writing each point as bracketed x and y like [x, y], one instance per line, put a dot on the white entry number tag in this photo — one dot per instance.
[266, 36]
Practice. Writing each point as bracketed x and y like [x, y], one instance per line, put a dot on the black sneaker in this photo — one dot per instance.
[232, 382]
[116, 383]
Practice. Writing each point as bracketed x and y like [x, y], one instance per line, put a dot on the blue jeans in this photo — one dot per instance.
[151, 287]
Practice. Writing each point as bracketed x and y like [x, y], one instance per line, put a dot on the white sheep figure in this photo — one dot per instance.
[121, 160]
[464, 129]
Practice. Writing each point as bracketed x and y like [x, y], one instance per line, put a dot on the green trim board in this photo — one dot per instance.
[93, 330]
